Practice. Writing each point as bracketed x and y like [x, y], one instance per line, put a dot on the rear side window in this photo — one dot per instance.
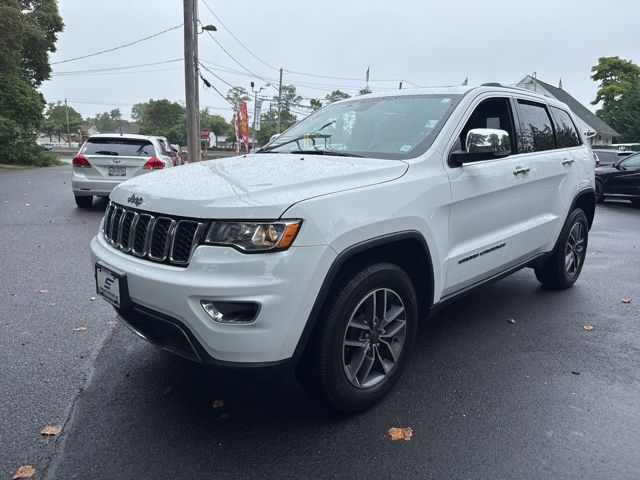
[566, 131]
[535, 128]
[126, 147]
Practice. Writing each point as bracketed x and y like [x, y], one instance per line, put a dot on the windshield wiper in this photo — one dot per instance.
[326, 152]
[296, 140]
[106, 152]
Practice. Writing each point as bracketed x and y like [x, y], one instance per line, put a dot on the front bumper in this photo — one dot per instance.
[285, 284]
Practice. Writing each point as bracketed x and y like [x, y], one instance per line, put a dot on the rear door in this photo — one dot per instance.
[553, 172]
[116, 158]
[490, 210]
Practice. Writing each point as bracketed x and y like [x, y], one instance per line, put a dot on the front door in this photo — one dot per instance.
[490, 209]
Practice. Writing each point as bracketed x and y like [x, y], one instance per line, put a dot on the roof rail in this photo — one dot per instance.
[491, 84]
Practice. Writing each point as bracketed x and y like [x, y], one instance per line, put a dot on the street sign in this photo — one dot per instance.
[204, 133]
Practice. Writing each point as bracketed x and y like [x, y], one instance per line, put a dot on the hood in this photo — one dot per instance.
[260, 185]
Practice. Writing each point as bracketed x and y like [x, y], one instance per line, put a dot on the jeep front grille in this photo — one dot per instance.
[159, 238]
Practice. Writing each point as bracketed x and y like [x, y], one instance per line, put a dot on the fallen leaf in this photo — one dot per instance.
[218, 404]
[511, 320]
[575, 372]
[24, 471]
[397, 433]
[588, 328]
[92, 298]
[43, 290]
[626, 300]
[79, 328]
[51, 430]
[167, 391]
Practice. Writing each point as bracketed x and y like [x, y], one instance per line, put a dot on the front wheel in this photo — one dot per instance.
[365, 333]
[599, 191]
[563, 268]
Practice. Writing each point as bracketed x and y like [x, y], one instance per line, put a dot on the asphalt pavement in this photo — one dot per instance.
[541, 398]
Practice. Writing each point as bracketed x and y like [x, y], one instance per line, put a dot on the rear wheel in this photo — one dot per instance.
[564, 267]
[84, 201]
[363, 339]
[599, 191]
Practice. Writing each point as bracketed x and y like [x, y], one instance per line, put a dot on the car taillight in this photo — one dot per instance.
[81, 161]
[154, 163]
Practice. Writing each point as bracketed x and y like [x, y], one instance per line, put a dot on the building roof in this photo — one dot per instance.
[576, 107]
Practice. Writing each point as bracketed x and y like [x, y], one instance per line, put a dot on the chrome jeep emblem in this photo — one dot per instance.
[134, 199]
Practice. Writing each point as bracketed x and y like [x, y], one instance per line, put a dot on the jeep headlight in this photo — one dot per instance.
[254, 236]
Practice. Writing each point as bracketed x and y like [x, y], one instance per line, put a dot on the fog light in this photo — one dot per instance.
[230, 312]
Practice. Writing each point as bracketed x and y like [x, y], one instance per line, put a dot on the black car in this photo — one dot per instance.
[621, 180]
[609, 157]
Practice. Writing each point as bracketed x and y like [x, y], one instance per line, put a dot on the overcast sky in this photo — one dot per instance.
[425, 42]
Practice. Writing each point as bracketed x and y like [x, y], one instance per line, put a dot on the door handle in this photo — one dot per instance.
[521, 170]
[567, 161]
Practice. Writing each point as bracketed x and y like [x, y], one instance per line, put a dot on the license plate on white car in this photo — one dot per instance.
[117, 171]
[111, 286]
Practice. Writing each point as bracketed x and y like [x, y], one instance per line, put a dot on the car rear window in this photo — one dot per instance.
[126, 147]
[607, 157]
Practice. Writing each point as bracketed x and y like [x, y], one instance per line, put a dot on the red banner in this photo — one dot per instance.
[244, 126]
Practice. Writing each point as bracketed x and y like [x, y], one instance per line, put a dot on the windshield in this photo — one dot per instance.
[118, 146]
[396, 127]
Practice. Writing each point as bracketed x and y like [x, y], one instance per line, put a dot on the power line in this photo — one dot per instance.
[214, 74]
[106, 69]
[236, 38]
[118, 47]
[135, 72]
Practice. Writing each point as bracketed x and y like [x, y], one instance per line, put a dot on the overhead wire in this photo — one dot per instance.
[124, 67]
[118, 47]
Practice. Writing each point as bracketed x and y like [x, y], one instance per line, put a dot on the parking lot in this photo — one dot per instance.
[486, 398]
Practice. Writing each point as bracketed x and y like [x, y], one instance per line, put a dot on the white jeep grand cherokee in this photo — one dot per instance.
[319, 253]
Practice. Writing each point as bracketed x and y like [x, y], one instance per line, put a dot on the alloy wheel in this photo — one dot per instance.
[374, 338]
[574, 250]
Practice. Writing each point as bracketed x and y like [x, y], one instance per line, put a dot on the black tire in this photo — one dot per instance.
[558, 272]
[599, 191]
[324, 368]
[84, 201]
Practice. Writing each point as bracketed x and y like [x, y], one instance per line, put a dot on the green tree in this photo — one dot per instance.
[336, 95]
[364, 91]
[108, 122]
[627, 117]
[161, 117]
[28, 31]
[55, 120]
[215, 123]
[616, 76]
[315, 104]
[237, 95]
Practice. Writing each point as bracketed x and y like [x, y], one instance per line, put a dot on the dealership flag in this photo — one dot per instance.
[466, 82]
[257, 110]
[367, 76]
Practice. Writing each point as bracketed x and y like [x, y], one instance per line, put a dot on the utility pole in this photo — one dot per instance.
[279, 102]
[191, 80]
[66, 111]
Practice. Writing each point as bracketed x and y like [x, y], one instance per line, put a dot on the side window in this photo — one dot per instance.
[491, 113]
[631, 162]
[566, 131]
[535, 128]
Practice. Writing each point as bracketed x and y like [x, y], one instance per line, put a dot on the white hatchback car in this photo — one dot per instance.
[106, 160]
[319, 253]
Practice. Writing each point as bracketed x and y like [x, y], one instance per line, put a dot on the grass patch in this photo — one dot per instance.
[10, 166]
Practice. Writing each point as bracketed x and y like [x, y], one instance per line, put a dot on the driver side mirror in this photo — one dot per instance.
[483, 144]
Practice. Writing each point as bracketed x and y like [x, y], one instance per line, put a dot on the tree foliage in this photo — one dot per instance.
[619, 91]
[364, 91]
[336, 95]
[28, 31]
[269, 119]
[108, 122]
[161, 117]
[215, 123]
[237, 95]
[55, 120]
